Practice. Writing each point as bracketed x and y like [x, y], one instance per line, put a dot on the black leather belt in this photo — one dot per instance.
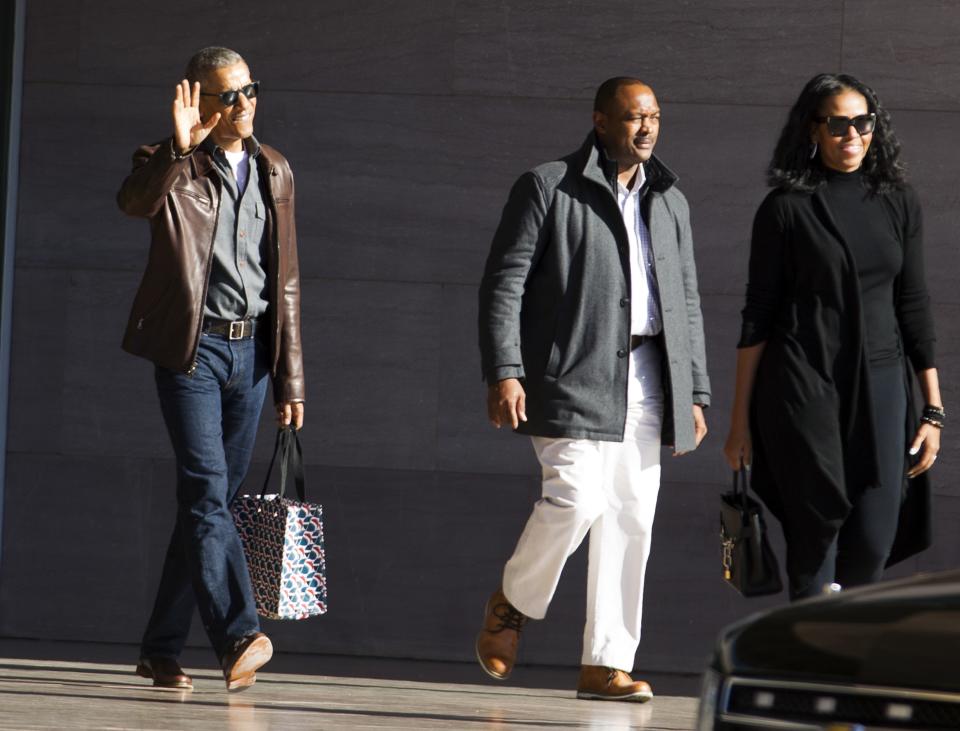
[231, 330]
[637, 340]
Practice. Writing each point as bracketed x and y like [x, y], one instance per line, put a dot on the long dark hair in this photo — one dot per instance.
[792, 168]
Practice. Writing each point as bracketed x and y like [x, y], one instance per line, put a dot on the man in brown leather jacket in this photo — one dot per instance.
[218, 313]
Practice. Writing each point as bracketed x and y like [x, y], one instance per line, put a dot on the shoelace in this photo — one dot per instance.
[509, 618]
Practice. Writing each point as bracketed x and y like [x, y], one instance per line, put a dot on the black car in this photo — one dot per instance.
[885, 656]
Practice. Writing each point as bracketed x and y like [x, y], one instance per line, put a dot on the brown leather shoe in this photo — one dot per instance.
[245, 657]
[165, 673]
[496, 644]
[598, 683]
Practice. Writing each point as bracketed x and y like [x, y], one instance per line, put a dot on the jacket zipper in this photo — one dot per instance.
[276, 305]
[206, 285]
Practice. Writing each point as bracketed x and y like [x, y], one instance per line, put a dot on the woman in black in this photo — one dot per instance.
[837, 308]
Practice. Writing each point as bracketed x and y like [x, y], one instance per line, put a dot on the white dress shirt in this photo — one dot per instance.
[644, 297]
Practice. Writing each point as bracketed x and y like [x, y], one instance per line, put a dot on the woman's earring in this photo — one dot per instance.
[813, 151]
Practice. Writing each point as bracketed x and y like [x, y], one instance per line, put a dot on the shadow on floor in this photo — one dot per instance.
[428, 671]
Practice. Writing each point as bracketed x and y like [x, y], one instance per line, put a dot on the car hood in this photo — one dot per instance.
[898, 633]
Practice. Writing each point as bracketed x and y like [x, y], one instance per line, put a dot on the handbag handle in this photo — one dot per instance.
[741, 485]
[291, 460]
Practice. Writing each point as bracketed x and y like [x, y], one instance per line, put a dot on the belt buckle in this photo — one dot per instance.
[236, 330]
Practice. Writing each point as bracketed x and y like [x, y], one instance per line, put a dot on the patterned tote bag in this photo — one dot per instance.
[283, 540]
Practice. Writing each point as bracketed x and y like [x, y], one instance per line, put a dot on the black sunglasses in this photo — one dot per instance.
[229, 98]
[838, 126]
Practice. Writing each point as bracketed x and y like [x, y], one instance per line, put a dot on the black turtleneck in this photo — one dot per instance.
[872, 238]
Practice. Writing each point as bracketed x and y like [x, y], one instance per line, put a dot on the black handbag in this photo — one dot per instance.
[749, 564]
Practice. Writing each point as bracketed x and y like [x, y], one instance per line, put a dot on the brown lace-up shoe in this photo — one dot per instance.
[165, 672]
[241, 662]
[609, 684]
[496, 644]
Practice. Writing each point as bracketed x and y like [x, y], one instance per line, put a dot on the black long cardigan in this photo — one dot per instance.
[814, 448]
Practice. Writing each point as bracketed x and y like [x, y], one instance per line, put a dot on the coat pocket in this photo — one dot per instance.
[552, 369]
[563, 345]
[195, 198]
[147, 314]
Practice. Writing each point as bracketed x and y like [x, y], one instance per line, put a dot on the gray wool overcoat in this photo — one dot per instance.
[554, 300]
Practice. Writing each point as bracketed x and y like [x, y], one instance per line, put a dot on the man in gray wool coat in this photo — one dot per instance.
[591, 339]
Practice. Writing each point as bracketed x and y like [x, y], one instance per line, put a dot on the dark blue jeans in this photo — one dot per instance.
[212, 419]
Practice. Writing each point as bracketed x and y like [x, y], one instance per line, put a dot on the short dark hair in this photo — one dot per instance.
[208, 59]
[793, 168]
[608, 91]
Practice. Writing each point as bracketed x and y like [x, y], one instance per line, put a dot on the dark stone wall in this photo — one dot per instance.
[406, 123]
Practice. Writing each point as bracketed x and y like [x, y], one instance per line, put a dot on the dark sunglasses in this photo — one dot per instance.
[838, 126]
[229, 98]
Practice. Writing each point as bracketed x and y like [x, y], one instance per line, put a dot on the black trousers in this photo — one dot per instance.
[860, 551]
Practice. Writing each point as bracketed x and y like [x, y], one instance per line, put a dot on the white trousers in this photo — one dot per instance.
[609, 489]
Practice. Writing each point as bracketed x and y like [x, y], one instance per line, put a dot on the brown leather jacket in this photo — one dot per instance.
[180, 199]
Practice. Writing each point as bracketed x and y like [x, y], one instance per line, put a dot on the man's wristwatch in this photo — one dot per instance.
[177, 155]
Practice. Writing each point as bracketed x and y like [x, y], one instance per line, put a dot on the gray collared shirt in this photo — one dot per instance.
[238, 278]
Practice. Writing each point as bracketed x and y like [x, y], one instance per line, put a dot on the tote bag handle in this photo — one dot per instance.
[291, 460]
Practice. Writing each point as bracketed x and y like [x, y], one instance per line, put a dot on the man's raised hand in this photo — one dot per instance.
[188, 129]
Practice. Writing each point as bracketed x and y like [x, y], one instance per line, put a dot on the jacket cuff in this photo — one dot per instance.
[500, 373]
[288, 390]
[701, 398]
